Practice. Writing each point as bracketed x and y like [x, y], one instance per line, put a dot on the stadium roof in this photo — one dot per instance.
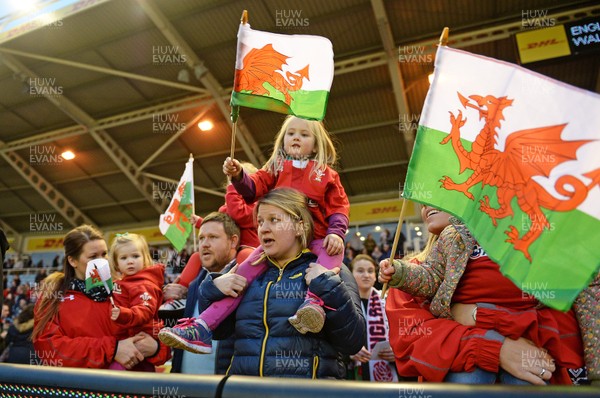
[120, 108]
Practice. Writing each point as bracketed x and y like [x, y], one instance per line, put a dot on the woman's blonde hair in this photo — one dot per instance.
[54, 287]
[293, 203]
[325, 155]
[124, 239]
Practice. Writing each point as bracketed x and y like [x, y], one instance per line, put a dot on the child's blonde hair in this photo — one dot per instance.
[123, 239]
[326, 154]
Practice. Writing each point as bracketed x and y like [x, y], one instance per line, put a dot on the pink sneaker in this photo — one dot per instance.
[188, 335]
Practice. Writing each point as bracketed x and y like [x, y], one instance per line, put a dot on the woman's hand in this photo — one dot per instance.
[463, 313]
[362, 356]
[127, 353]
[232, 169]
[386, 270]
[231, 284]
[114, 313]
[522, 359]
[145, 344]
[314, 270]
[333, 244]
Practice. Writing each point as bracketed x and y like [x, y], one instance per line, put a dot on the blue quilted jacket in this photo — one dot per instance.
[266, 344]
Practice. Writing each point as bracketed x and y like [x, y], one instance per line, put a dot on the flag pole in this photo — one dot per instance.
[395, 244]
[193, 206]
[235, 112]
[444, 37]
[442, 42]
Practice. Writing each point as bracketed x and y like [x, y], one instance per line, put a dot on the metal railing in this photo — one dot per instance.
[42, 381]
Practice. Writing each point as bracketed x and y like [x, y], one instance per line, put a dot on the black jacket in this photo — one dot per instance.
[266, 344]
[21, 347]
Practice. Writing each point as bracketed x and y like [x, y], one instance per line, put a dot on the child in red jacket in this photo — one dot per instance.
[139, 291]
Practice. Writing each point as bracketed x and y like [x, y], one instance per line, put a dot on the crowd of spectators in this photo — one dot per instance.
[377, 249]
[17, 321]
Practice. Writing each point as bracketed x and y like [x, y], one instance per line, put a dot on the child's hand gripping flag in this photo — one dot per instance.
[98, 280]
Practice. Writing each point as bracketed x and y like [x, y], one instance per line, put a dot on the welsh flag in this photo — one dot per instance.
[289, 74]
[176, 223]
[97, 274]
[514, 154]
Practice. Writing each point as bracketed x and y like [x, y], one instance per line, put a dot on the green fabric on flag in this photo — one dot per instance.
[305, 104]
[290, 74]
[176, 223]
[179, 232]
[551, 276]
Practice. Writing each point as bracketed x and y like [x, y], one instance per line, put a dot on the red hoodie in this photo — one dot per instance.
[139, 296]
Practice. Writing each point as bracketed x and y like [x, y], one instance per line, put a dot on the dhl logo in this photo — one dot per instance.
[542, 43]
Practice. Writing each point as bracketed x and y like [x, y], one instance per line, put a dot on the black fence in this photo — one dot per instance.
[40, 381]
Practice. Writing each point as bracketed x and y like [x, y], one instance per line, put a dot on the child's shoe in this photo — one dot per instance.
[171, 305]
[189, 334]
[310, 316]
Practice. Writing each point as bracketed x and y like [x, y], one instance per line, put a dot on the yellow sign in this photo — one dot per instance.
[152, 235]
[386, 210]
[541, 44]
[50, 243]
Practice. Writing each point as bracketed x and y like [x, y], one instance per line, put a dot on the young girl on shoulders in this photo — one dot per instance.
[301, 159]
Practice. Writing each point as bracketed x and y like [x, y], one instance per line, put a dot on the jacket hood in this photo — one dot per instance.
[154, 273]
[23, 327]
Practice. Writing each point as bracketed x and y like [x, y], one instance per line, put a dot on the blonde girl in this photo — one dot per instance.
[301, 159]
[138, 290]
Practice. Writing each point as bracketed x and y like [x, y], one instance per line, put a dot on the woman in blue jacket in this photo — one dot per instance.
[266, 344]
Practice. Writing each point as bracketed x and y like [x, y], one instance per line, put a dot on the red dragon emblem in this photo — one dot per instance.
[265, 65]
[511, 170]
[175, 215]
